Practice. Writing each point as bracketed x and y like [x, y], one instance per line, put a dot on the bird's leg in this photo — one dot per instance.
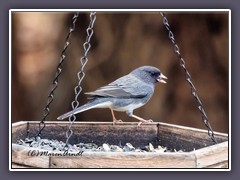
[141, 120]
[114, 118]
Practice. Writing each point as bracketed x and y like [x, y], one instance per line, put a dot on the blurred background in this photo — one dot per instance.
[121, 43]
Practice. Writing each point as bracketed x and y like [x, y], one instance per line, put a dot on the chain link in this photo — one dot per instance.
[188, 79]
[81, 74]
[46, 110]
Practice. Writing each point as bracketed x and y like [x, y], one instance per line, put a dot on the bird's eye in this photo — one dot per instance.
[154, 73]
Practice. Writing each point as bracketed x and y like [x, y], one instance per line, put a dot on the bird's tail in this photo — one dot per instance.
[85, 107]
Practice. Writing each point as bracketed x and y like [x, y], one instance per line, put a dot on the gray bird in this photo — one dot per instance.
[124, 94]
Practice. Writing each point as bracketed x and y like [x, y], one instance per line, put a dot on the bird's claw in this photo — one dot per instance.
[144, 121]
[150, 121]
[140, 122]
[117, 121]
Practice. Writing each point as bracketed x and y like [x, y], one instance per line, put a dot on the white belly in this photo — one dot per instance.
[128, 107]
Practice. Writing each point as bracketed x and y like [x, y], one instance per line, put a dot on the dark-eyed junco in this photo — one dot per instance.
[124, 94]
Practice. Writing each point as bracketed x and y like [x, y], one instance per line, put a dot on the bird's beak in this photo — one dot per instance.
[161, 77]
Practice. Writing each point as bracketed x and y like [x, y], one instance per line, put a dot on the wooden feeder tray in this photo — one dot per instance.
[199, 150]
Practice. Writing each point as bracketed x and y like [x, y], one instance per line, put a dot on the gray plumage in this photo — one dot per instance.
[124, 94]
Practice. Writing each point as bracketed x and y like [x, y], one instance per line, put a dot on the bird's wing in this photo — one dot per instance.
[124, 87]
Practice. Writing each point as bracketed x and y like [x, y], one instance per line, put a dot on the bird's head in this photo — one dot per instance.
[149, 74]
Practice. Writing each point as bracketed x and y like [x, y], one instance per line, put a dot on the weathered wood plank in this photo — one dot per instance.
[20, 166]
[19, 130]
[212, 155]
[125, 160]
[223, 164]
[21, 155]
[100, 133]
[186, 138]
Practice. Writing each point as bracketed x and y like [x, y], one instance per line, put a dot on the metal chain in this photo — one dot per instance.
[46, 110]
[188, 79]
[81, 74]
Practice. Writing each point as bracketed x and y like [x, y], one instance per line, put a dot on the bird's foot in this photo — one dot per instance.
[144, 121]
[117, 121]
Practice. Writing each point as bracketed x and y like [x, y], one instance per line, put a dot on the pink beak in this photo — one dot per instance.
[161, 77]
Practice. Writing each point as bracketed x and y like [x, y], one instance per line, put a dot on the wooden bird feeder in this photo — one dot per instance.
[198, 150]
